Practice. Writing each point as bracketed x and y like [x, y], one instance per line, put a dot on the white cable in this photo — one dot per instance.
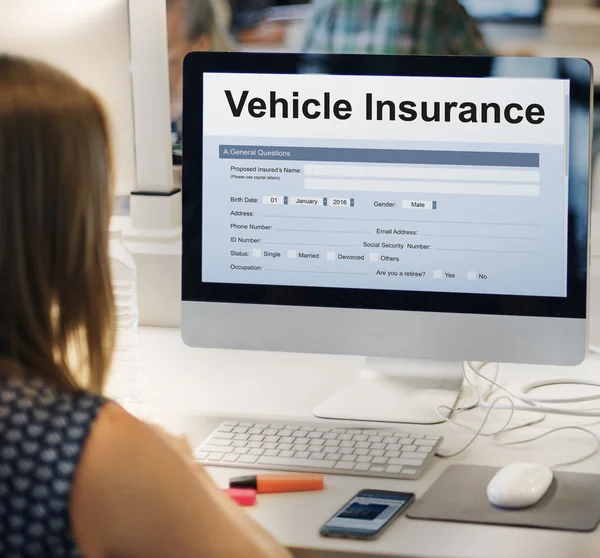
[553, 431]
[532, 406]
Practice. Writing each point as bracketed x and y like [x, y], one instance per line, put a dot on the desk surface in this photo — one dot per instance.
[186, 386]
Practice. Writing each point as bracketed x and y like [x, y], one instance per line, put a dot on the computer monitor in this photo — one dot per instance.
[396, 207]
[118, 49]
[511, 11]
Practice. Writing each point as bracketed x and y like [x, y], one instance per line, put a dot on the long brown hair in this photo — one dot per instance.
[56, 302]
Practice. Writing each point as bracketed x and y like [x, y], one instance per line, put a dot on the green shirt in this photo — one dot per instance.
[393, 27]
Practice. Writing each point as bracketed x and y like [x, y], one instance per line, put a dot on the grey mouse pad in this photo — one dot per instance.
[571, 504]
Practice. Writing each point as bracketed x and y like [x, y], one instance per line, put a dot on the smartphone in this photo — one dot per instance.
[367, 514]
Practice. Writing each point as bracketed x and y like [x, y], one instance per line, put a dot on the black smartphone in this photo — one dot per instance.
[367, 514]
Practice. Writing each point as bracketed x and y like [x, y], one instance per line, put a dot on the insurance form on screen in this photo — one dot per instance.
[387, 183]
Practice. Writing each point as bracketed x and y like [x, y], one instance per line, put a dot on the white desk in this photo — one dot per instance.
[185, 384]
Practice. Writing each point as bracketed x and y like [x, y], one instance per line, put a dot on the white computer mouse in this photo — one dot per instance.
[520, 485]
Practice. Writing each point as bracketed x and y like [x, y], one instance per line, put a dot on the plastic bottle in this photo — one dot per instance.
[124, 383]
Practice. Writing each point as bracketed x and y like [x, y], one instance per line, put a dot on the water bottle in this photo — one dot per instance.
[124, 383]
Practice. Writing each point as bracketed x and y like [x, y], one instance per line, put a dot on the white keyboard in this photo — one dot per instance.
[385, 452]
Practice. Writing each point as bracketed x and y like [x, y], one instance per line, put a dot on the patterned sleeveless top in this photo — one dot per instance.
[42, 435]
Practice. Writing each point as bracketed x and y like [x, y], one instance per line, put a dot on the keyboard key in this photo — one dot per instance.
[364, 459]
[249, 459]
[360, 438]
[390, 440]
[256, 438]
[215, 457]
[239, 444]
[362, 467]
[317, 456]
[417, 436]
[354, 431]
[350, 458]
[261, 426]
[242, 437]
[201, 455]
[344, 437]
[315, 442]
[333, 456]
[271, 453]
[255, 431]
[409, 471]
[302, 454]
[375, 439]
[284, 447]
[285, 433]
[409, 448]
[287, 440]
[406, 441]
[246, 424]
[229, 423]
[394, 447]
[344, 465]
[293, 462]
[376, 453]
[254, 445]
[330, 436]
[347, 444]
[393, 469]
[300, 447]
[339, 430]
[332, 443]
[307, 429]
[241, 451]
[361, 451]
[286, 454]
[377, 469]
[217, 442]
[406, 462]
[240, 430]
[315, 435]
[216, 449]
[270, 445]
[231, 458]
[363, 445]
[378, 446]
[425, 442]
[299, 434]
[270, 432]
[412, 455]
[392, 454]
[435, 438]
[380, 460]
[424, 449]
[272, 439]
[224, 436]
[345, 451]
[256, 452]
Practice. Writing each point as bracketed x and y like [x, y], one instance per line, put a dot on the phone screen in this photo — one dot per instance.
[367, 513]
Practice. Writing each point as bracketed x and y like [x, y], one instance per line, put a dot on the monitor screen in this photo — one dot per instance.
[505, 10]
[320, 181]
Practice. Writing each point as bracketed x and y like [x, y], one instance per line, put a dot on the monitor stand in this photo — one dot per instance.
[396, 390]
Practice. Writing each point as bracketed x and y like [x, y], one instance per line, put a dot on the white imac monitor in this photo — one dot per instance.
[89, 39]
[419, 211]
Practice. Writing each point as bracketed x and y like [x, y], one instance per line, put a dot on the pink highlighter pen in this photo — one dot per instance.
[242, 496]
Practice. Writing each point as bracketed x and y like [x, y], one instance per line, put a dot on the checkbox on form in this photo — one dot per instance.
[256, 253]
[438, 274]
[373, 257]
[292, 254]
[331, 255]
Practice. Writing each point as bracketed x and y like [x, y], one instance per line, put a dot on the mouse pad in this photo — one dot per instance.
[571, 504]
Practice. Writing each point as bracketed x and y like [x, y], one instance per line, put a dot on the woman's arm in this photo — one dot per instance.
[136, 496]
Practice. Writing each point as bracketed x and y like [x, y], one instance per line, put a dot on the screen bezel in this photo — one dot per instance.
[195, 290]
[407, 497]
[538, 19]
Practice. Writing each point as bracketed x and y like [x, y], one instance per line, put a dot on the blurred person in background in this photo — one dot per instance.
[393, 27]
[192, 25]
[250, 25]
